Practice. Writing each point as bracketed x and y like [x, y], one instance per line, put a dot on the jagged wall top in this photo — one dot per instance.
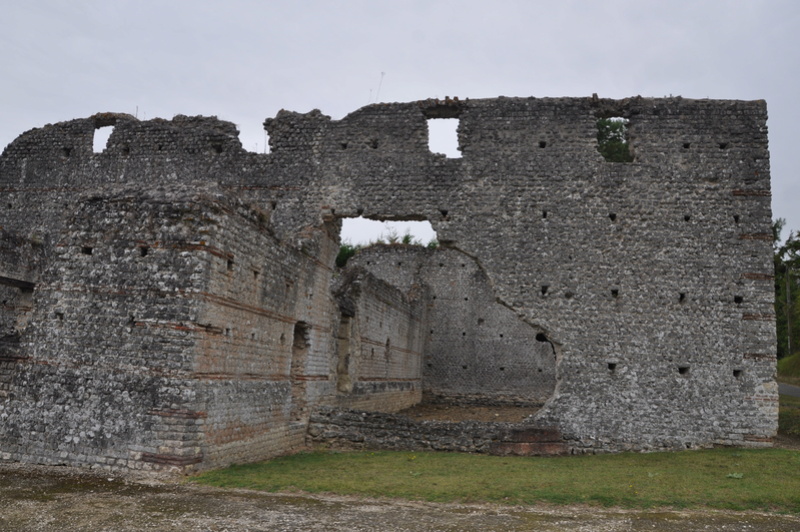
[553, 118]
[376, 162]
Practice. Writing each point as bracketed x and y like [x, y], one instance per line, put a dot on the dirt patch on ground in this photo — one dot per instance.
[456, 413]
[782, 441]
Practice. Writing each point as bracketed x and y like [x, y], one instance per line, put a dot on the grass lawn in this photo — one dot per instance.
[738, 479]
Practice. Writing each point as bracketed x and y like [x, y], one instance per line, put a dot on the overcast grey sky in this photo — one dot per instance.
[245, 60]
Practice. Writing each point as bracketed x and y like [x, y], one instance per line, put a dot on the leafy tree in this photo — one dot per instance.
[787, 289]
[612, 140]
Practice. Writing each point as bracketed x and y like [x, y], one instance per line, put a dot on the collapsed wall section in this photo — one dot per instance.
[477, 350]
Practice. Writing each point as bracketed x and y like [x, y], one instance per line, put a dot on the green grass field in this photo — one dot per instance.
[738, 479]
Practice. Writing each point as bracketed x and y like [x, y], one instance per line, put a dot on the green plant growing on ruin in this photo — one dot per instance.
[346, 251]
[390, 237]
[612, 140]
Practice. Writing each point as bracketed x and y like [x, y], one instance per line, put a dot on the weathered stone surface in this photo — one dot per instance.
[375, 430]
[172, 302]
[528, 448]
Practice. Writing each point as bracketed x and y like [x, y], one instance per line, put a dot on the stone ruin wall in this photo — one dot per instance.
[168, 302]
[380, 343]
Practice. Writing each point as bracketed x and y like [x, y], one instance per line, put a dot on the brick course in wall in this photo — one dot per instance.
[172, 303]
[380, 343]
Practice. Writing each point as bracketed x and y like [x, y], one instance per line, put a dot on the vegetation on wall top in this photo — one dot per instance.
[347, 249]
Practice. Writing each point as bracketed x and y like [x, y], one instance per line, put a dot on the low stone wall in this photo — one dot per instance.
[349, 429]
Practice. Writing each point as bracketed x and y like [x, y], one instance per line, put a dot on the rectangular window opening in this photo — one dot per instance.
[101, 136]
[612, 139]
[443, 137]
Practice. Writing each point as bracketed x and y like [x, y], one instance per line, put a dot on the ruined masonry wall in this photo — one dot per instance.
[348, 429]
[652, 280]
[163, 335]
[255, 387]
[20, 258]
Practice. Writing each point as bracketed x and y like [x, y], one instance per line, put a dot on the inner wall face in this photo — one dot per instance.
[480, 351]
[477, 351]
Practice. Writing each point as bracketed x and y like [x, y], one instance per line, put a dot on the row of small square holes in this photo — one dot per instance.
[87, 250]
[373, 143]
[615, 293]
[613, 217]
[501, 368]
[682, 370]
[686, 145]
[143, 251]
[612, 367]
[540, 337]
